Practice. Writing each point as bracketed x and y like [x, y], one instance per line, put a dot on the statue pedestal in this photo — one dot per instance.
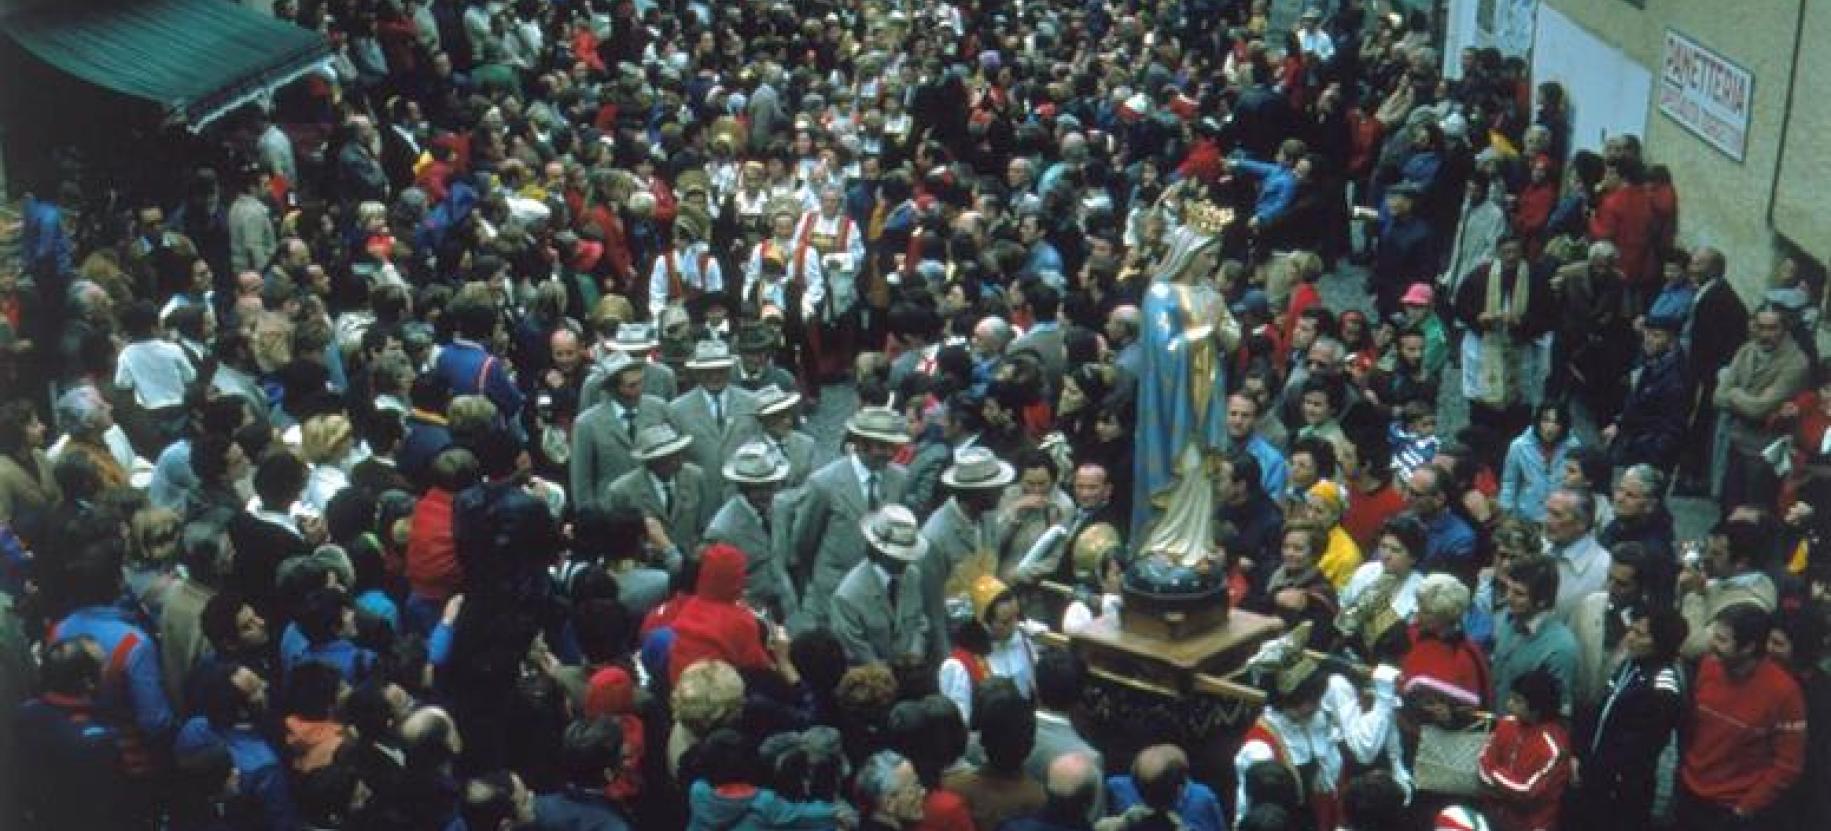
[1144, 662]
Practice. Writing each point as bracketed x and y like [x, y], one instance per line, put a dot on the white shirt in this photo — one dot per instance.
[1582, 570]
[157, 371]
[1404, 599]
[1014, 658]
[686, 267]
[325, 481]
[865, 475]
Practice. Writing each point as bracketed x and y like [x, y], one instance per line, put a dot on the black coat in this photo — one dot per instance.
[1719, 326]
[1638, 714]
[1652, 422]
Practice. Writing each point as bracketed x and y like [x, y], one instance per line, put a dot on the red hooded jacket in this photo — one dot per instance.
[713, 623]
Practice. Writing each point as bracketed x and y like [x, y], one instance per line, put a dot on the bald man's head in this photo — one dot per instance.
[1073, 783]
[1160, 772]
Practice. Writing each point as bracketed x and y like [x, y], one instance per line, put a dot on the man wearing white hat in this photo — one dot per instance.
[666, 487]
[877, 609]
[717, 415]
[776, 409]
[638, 342]
[756, 521]
[827, 539]
[960, 535]
[604, 436]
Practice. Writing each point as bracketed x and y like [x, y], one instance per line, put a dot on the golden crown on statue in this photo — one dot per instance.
[1207, 217]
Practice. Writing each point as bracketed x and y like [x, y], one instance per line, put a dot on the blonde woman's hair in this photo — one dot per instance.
[470, 415]
[709, 695]
[155, 536]
[325, 438]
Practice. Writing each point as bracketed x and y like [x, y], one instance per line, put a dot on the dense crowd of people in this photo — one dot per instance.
[438, 456]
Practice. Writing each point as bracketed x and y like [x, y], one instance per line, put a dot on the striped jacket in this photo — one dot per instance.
[1526, 767]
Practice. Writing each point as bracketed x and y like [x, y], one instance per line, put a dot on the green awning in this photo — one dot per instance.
[195, 59]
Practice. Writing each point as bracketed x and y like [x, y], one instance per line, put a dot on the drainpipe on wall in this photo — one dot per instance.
[1786, 115]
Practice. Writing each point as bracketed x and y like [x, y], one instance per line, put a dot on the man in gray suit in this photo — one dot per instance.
[776, 410]
[827, 540]
[667, 489]
[877, 608]
[638, 342]
[757, 370]
[960, 535]
[961, 424]
[716, 415]
[756, 522]
[604, 436]
[1045, 336]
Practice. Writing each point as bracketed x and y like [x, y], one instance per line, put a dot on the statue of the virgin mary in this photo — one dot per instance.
[1187, 336]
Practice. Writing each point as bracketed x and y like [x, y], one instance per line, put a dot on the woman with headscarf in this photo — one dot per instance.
[612, 694]
[713, 623]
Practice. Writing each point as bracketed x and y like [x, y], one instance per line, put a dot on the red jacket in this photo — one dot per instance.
[432, 554]
[1748, 737]
[1625, 217]
[1453, 667]
[714, 623]
[1526, 766]
[1664, 201]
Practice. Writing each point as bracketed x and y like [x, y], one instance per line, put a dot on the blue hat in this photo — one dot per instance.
[1253, 302]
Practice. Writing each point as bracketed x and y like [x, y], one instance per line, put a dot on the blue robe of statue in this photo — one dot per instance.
[1182, 393]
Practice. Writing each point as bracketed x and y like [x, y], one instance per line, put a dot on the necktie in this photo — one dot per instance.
[667, 496]
[629, 422]
[890, 588]
[718, 409]
[871, 491]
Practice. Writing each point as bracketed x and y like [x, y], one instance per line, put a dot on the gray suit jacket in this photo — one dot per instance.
[1053, 348]
[712, 444]
[952, 539]
[869, 625]
[657, 380]
[925, 493]
[803, 454]
[691, 512]
[827, 540]
[766, 583]
[601, 448]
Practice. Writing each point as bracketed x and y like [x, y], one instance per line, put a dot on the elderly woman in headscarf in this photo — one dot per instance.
[1187, 333]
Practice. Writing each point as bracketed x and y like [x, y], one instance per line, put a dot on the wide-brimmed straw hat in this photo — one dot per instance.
[659, 441]
[976, 468]
[756, 463]
[893, 530]
[879, 424]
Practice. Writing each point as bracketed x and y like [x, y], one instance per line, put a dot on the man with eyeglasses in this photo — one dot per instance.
[1450, 544]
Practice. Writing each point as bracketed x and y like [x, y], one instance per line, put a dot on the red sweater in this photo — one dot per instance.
[1452, 667]
[1526, 767]
[1748, 737]
[432, 554]
[1369, 511]
[1625, 217]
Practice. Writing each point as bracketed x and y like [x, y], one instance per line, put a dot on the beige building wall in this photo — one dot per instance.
[1802, 205]
[1722, 202]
